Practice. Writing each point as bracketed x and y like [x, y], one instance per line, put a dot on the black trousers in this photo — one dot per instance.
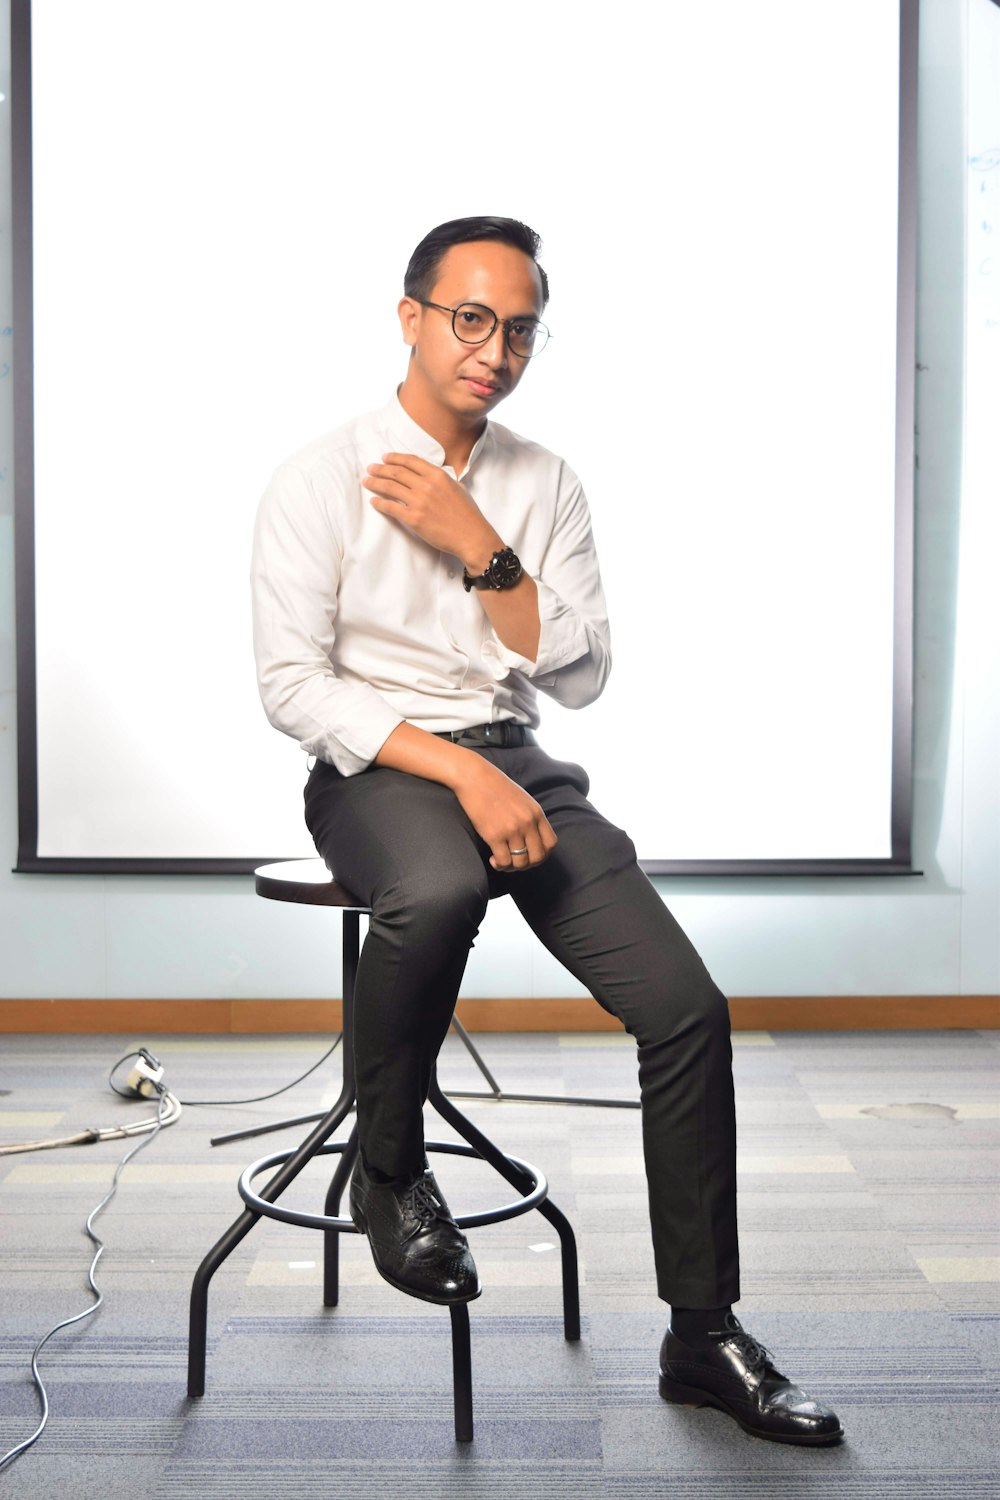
[405, 846]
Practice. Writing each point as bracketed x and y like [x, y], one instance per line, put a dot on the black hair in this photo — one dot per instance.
[425, 262]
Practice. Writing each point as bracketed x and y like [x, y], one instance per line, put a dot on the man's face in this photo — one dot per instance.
[471, 379]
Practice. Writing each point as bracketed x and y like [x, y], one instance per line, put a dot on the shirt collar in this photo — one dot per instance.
[411, 437]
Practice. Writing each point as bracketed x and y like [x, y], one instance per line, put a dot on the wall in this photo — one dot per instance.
[199, 937]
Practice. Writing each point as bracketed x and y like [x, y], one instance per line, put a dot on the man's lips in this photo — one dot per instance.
[483, 385]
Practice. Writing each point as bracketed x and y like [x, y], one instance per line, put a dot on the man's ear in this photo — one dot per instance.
[409, 319]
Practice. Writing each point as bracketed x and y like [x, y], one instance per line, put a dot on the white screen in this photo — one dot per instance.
[225, 198]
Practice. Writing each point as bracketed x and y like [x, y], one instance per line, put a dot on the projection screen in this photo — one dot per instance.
[215, 201]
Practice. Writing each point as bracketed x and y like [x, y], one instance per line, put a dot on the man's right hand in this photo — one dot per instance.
[505, 817]
[500, 811]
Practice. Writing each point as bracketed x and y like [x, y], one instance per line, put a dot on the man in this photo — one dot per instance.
[418, 575]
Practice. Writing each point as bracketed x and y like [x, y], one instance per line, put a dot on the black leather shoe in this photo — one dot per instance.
[737, 1376]
[416, 1243]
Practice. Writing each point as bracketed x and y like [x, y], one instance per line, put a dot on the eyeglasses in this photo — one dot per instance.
[474, 324]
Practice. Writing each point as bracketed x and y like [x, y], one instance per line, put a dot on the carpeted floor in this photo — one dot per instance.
[870, 1258]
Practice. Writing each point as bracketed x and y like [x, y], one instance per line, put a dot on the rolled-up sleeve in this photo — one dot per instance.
[294, 580]
[574, 646]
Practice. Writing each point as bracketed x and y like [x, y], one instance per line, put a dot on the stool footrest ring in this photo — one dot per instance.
[536, 1193]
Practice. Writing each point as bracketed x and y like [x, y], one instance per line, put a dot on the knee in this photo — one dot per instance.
[443, 905]
[694, 1012]
[715, 1009]
[450, 901]
[704, 1006]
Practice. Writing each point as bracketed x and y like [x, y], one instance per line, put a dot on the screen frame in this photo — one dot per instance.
[28, 860]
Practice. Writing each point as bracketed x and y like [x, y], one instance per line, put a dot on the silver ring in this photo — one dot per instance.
[519, 851]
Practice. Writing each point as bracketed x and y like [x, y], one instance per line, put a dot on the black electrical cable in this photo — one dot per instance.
[166, 1101]
[257, 1099]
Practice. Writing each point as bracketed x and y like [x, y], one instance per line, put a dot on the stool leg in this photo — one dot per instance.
[351, 952]
[474, 1053]
[331, 1237]
[198, 1322]
[496, 1158]
[232, 1237]
[461, 1360]
[570, 1268]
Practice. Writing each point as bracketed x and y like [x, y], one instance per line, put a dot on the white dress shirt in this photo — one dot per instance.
[359, 625]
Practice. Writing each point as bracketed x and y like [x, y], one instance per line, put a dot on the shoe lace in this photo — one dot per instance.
[423, 1203]
[755, 1353]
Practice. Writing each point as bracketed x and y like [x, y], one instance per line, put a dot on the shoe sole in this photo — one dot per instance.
[359, 1225]
[690, 1395]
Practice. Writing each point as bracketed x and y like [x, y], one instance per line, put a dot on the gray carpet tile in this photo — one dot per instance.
[870, 1255]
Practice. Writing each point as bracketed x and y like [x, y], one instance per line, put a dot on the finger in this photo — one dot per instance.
[547, 833]
[543, 832]
[387, 506]
[384, 482]
[407, 461]
[386, 471]
[500, 858]
[524, 851]
[520, 854]
[534, 845]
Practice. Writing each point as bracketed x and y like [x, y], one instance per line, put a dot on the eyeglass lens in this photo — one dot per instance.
[473, 324]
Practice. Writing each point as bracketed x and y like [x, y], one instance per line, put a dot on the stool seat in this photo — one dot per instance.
[307, 881]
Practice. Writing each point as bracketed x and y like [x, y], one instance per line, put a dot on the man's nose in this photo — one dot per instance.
[494, 350]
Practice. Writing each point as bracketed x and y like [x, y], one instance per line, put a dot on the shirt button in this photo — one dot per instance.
[451, 572]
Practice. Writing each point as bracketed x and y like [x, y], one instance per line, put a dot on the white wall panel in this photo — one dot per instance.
[225, 197]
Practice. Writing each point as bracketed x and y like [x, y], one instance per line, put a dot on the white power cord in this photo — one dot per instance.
[168, 1110]
[143, 1082]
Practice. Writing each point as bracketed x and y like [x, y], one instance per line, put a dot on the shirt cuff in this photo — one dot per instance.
[359, 735]
[562, 639]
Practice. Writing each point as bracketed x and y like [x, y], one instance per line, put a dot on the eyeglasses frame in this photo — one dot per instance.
[506, 325]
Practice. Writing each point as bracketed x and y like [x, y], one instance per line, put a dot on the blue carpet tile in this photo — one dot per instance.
[870, 1256]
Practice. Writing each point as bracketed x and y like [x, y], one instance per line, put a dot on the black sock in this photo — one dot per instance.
[693, 1325]
[381, 1179]
[384, 1179]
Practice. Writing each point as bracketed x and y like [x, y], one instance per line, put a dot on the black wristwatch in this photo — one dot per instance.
[501, 572]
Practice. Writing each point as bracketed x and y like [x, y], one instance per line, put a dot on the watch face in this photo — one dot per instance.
[505, 569]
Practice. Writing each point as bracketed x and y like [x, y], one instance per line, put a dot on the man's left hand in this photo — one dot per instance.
[432, 505]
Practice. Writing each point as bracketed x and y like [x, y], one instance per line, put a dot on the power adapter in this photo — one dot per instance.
[145, 1076]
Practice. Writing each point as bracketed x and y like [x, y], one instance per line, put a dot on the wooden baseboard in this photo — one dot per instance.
[748, 1013]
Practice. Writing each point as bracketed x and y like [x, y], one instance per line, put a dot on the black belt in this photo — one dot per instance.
[503, 733]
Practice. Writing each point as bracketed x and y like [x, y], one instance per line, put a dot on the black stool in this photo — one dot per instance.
[310, 882]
